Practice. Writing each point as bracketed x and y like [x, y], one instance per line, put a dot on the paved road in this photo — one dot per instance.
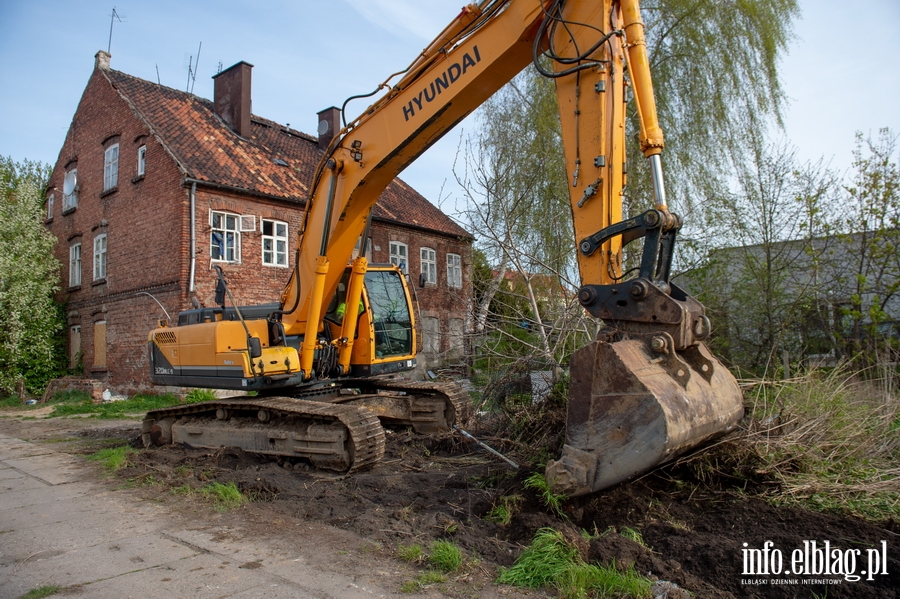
[59, 528]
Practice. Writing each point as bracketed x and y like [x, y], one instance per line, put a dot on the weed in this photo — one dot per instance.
[181, 471]
[410, 553]
[44, 591]
[504, 510]
[551, 500]
[445, 556]
[633, 535]
[551, 561]
[112, 458]
[182, 490]
[423, 580]
[198, 395]
[224, 497]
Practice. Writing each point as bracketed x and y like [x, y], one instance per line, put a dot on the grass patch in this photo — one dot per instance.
[551, 500]
[225, 497]
[198, 395]
[445, 556]
[112, 458]
[81, 404]
[550, 561]
[410, 553]
[427, 578]
[44, 591]
[504, 509]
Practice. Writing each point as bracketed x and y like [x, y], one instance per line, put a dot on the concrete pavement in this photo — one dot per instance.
[59, 528]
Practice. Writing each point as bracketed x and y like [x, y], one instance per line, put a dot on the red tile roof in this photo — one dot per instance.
[206, 149]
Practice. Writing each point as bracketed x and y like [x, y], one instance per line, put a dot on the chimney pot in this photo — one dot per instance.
[231, 97]
[101, 60]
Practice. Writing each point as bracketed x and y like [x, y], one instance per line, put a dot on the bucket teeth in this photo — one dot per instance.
[635, 404]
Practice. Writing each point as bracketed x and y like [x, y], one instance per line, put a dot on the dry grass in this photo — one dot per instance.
[827, 439]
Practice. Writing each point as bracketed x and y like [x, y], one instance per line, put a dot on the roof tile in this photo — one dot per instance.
[208, 150]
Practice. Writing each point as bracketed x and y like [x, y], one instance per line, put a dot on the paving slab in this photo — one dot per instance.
[103, 561]
[199, 577]
[52, 468]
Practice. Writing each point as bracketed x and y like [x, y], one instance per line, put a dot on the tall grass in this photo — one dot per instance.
[828, 440]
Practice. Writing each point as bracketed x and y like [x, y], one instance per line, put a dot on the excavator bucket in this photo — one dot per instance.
[637, 403]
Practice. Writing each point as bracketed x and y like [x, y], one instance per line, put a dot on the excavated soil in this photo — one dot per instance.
[443, 488]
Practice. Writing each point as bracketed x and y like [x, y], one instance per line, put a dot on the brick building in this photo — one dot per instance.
[153, 187]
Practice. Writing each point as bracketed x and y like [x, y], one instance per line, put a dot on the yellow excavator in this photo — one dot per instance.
[326, 376]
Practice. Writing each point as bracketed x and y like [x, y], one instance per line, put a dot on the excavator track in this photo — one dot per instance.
[456, 409]
[332, 436]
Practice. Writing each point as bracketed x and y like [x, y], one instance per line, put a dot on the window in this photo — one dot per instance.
[111, 167]
[454, 271]
[99, 346]
[431, 335]
[100, 257]
[225, 238]
[70, 200]
[142, 161]
[75, 265]
[398, 255]
[74, 345]
[50, 201]
[429, 265]
[274, 243]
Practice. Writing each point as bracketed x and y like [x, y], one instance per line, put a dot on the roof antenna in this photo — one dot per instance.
[157, 75]
[196, 67]
[192, 71]
[112, 18]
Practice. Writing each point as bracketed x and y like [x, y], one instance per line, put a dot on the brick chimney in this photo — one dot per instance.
[329, 125]
[101, 60]
[231, 97]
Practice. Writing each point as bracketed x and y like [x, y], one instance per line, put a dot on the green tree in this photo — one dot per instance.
[763, 281]
[870, 241]
[30, 321]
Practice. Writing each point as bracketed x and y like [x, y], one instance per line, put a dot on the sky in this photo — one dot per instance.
[842, 74]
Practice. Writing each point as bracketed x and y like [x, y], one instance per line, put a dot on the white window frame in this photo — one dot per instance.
[70, 201]
[399, 253]
[454, 271]
[141, 161]
[277, 249]
[51, 199]
[75, 265]
[100, 256]
[428, 264]
[111, 167]
[234, 232]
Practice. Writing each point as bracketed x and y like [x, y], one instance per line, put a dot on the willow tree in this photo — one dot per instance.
[715, 70]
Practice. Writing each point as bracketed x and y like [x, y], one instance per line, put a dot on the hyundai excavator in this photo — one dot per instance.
[327, 376]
